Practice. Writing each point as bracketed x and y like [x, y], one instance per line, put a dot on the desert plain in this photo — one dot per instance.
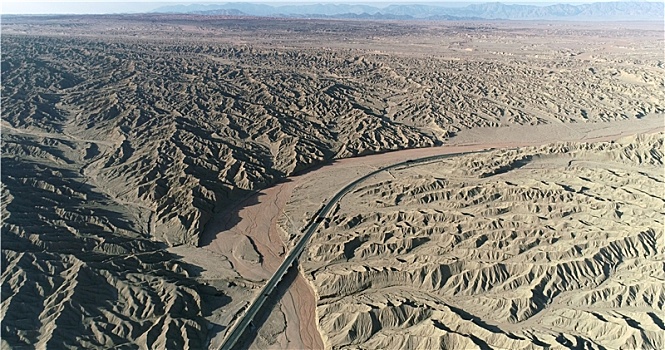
[157, 169]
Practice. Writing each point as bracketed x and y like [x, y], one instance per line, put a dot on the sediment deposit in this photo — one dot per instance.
[125, 137]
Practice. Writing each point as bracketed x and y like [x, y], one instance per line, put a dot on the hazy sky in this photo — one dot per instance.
[106, 6]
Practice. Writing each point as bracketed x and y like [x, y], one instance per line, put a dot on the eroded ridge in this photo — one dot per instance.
[120, 144]
[193, 124]
[552, 246]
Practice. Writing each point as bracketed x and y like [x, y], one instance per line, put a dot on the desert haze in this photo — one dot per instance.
[158, 169]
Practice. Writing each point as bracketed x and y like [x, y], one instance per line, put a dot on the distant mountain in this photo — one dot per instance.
[267, 10]
[595, 11]
[630, 10]
[221, 12]
[327, 9]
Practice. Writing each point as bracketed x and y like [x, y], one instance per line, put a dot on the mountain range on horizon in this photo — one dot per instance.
[599, 11]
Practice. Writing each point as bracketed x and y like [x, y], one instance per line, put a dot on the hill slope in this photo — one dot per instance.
[542, 247]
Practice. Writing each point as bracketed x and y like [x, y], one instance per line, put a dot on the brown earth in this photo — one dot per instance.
[131, 144]
[551, 246]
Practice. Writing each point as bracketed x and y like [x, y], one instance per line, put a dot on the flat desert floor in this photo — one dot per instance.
[156, 169]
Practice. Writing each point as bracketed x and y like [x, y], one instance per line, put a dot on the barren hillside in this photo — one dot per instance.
[123, 136]
[557, 246]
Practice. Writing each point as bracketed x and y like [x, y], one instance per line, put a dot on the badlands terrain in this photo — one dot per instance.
[558, 245]
[157, 168]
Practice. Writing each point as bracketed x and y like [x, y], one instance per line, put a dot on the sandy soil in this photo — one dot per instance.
[130, 141]
[257, 251]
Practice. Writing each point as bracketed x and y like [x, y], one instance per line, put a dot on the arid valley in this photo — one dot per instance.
[157, 170]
